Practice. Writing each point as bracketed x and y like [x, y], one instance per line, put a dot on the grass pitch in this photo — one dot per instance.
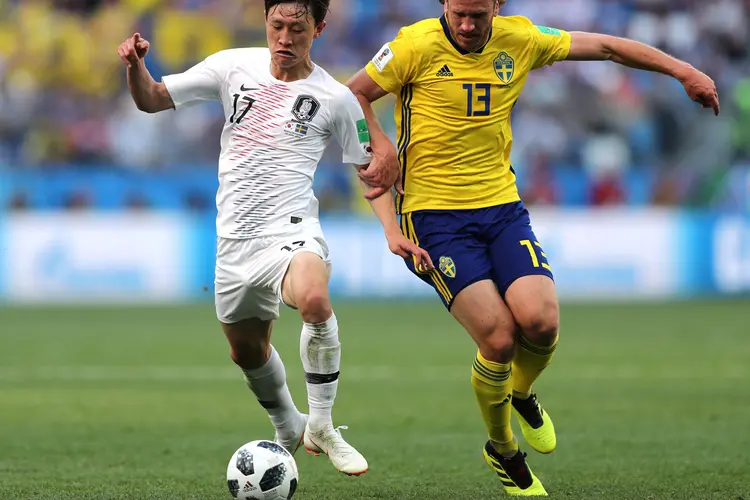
[650, 402]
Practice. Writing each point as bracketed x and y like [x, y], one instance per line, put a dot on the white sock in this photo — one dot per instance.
[320, 351]
[268, 383]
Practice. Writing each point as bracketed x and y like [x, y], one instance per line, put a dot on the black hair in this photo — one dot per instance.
[318, 9]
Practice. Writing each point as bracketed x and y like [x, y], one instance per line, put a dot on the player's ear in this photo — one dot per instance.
[319, 29]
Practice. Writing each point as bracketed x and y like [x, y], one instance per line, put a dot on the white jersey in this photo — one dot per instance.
[274, 136]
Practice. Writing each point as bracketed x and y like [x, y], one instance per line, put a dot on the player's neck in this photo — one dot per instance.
[298, 72]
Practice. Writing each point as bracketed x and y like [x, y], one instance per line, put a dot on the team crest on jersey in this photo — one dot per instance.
[505, 67]
[305, 108]
[447, 267]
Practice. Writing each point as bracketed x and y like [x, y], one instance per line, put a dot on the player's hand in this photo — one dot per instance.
[401, 246]
[133, 50]
[383, 173]
[701, 89]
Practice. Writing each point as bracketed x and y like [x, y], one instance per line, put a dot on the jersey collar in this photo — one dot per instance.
[455, 44]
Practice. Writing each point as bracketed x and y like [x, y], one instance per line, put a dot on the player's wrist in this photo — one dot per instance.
[392, 231]
[682, 71]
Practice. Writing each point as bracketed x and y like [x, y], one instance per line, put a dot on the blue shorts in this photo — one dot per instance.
[466, 246]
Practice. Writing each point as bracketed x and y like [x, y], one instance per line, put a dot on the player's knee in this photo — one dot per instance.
[498, 347]
[315, 306]
[541, 327]
[251, 354]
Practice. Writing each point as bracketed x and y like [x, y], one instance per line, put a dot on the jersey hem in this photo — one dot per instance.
[464, 206]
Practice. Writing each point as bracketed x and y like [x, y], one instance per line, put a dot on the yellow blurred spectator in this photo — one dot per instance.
[183, 38]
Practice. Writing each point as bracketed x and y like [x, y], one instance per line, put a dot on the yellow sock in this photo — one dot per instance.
[528, 363]
[493, 386]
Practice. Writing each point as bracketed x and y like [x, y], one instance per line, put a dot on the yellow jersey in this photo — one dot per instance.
[453, 108]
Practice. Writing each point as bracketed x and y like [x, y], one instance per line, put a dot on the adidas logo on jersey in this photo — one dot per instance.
[445, 71]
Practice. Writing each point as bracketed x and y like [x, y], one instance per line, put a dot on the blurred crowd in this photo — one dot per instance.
[626, 136]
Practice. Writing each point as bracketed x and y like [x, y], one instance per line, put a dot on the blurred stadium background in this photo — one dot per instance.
[637, 194]
[587, 136]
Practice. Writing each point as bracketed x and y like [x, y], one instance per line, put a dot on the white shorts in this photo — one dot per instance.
[249, 273]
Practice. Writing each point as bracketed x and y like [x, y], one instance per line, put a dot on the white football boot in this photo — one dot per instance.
[329, 441]
[293, 443]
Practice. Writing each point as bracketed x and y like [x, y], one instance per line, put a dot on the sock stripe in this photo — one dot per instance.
[525, 343]
[484, 371]
[490, 374]
[321, 378]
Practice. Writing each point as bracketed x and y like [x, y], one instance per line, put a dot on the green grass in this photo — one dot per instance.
[650, 402]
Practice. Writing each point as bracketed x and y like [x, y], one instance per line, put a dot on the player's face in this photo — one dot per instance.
[470, 21]
[290, 31]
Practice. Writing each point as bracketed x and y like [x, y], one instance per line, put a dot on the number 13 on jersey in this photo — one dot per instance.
[477, 99]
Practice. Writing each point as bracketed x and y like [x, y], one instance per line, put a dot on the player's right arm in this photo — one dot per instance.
[202, 82]
[393, 67]
[384, 167]
[149, 96]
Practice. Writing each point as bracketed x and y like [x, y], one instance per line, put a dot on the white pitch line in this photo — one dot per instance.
[363, 374]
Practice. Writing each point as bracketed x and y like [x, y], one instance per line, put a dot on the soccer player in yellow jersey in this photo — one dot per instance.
[457, 79]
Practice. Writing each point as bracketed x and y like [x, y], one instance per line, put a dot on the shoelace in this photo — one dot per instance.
[338, 444]
[534, 406]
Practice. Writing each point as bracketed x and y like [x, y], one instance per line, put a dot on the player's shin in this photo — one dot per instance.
[320, 351]
[268, 383]
[493, 386]
[529, 362]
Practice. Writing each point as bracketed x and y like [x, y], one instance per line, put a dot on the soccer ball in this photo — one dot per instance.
[262, 470]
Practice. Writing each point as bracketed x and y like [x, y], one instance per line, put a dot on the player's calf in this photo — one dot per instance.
[534, 304]
[265, 375]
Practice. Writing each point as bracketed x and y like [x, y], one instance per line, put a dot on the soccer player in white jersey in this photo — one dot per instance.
[281, 111]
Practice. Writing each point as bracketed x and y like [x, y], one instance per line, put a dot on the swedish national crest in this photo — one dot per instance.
[447, 267]
[505, 67]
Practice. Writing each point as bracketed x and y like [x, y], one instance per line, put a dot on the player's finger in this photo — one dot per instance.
[121, 51]
[419, 263]
[400, 185]
[375, 193]
[136, 37]
[131, 53]
[716, 105]
[124, 58]
[402, 253]
[367, 176]
[426, 258]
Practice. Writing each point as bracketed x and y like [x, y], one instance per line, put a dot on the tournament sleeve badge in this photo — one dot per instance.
[383, 57]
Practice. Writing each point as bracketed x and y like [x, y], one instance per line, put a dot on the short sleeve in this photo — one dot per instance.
[202, 82]
[395, 65]
[550, 45]
[350, 129]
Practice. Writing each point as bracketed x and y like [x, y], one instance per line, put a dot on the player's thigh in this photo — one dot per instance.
[522, 272]
[483, 313]
[241, 292]
[305, 269]
[460, 258]
[306, 280]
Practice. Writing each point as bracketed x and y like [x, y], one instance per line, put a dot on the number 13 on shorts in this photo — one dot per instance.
[532, 248]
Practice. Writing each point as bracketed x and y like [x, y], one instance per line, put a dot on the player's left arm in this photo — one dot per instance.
[597, 47]
[398, 244]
